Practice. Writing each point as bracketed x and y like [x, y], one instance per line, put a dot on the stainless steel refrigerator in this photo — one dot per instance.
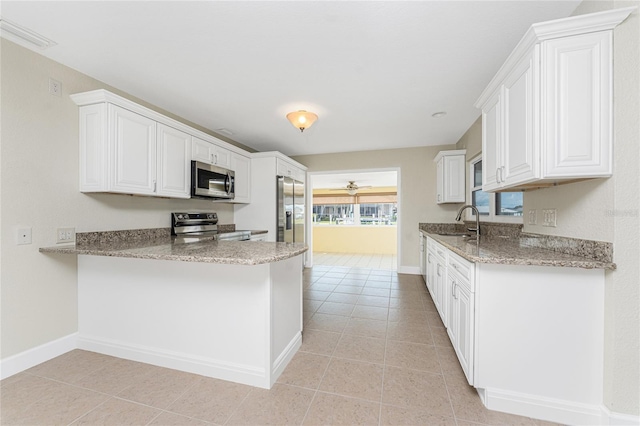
[290, 210]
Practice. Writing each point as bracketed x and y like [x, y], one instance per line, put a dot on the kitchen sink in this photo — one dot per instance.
[454, 234]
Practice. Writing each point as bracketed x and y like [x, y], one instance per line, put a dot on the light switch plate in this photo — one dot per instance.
[65, 235]
[533, 217]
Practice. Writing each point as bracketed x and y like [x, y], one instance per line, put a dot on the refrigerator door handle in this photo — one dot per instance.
[288, 221]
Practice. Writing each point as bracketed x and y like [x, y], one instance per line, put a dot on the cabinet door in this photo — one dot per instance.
[440, 181]
[300, 175]
[133, 158]
[521, 115]
[577, 131]
[452, 309]
[491, 140]
[221, 156]
[241, 165]
[440, 290]
[431, 272]
[464, 330]
[174, 163]
[454, 179]
[94, 149]
[283, 168]
[424, 255]
[201, 151]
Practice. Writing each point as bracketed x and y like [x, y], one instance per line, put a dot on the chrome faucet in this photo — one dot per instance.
[475, 210]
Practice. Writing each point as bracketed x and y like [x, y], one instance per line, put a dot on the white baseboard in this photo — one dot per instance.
[283, 360]
[618, 419]
[32, 357]
[413, 270]
[553, 410]
[245, 374]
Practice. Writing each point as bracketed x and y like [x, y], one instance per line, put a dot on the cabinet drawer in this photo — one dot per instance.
[461, 267]
[437, 249]
[440, 252]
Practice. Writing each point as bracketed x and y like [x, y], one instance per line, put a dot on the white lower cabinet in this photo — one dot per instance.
[452, 283]
[460, 324]
[423, 256]
[529, 338]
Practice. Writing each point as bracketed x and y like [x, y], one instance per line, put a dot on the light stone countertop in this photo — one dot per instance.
[514, 251]
[207, 251]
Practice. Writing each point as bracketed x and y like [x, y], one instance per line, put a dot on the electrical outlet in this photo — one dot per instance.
[549, 217]
[533, 217]
[65, 235]
[23, 235]
[55, 87]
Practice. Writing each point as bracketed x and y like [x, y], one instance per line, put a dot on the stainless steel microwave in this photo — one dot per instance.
[208, 181]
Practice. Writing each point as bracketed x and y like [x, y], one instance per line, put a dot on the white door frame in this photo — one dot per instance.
[309, 207]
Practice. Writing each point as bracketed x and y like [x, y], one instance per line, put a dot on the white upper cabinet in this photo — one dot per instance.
[284, 168]
[578, 105]
[491, 143]
[547, 114]
[211, 153]
[174, 154]
[127, 148]
[241, 165]
[517, 162]
[450, 176]
[132, 139]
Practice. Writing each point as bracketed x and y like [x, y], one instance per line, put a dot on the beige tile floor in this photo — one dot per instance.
[373, 261]
[374, 352]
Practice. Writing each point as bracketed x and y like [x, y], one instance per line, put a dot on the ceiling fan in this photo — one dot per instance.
[351, 188]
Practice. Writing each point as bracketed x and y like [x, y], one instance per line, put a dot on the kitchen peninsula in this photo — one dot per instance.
[225, 309]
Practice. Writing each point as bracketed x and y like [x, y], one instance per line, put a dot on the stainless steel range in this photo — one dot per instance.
[193, 227]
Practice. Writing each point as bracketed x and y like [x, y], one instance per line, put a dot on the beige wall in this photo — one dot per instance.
[355, 239]
[607, 210]
[615, 204]
[472, 139]
[417, 187]
[39, 175]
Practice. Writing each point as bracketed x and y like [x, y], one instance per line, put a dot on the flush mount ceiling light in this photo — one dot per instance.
[302, 119]
[18, 34]
[438, 114]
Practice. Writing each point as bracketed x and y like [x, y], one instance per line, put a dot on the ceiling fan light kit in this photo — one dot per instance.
[302, 119]
[351, 188]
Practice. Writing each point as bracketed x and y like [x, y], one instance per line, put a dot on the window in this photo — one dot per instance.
[498, 207]
[479, 198]
[355, 214]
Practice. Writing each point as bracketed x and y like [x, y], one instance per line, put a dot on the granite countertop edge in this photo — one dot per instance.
[257, 252]
[534, 256]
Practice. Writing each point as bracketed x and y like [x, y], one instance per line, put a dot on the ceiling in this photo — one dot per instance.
[374, 71]
[340, 180]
